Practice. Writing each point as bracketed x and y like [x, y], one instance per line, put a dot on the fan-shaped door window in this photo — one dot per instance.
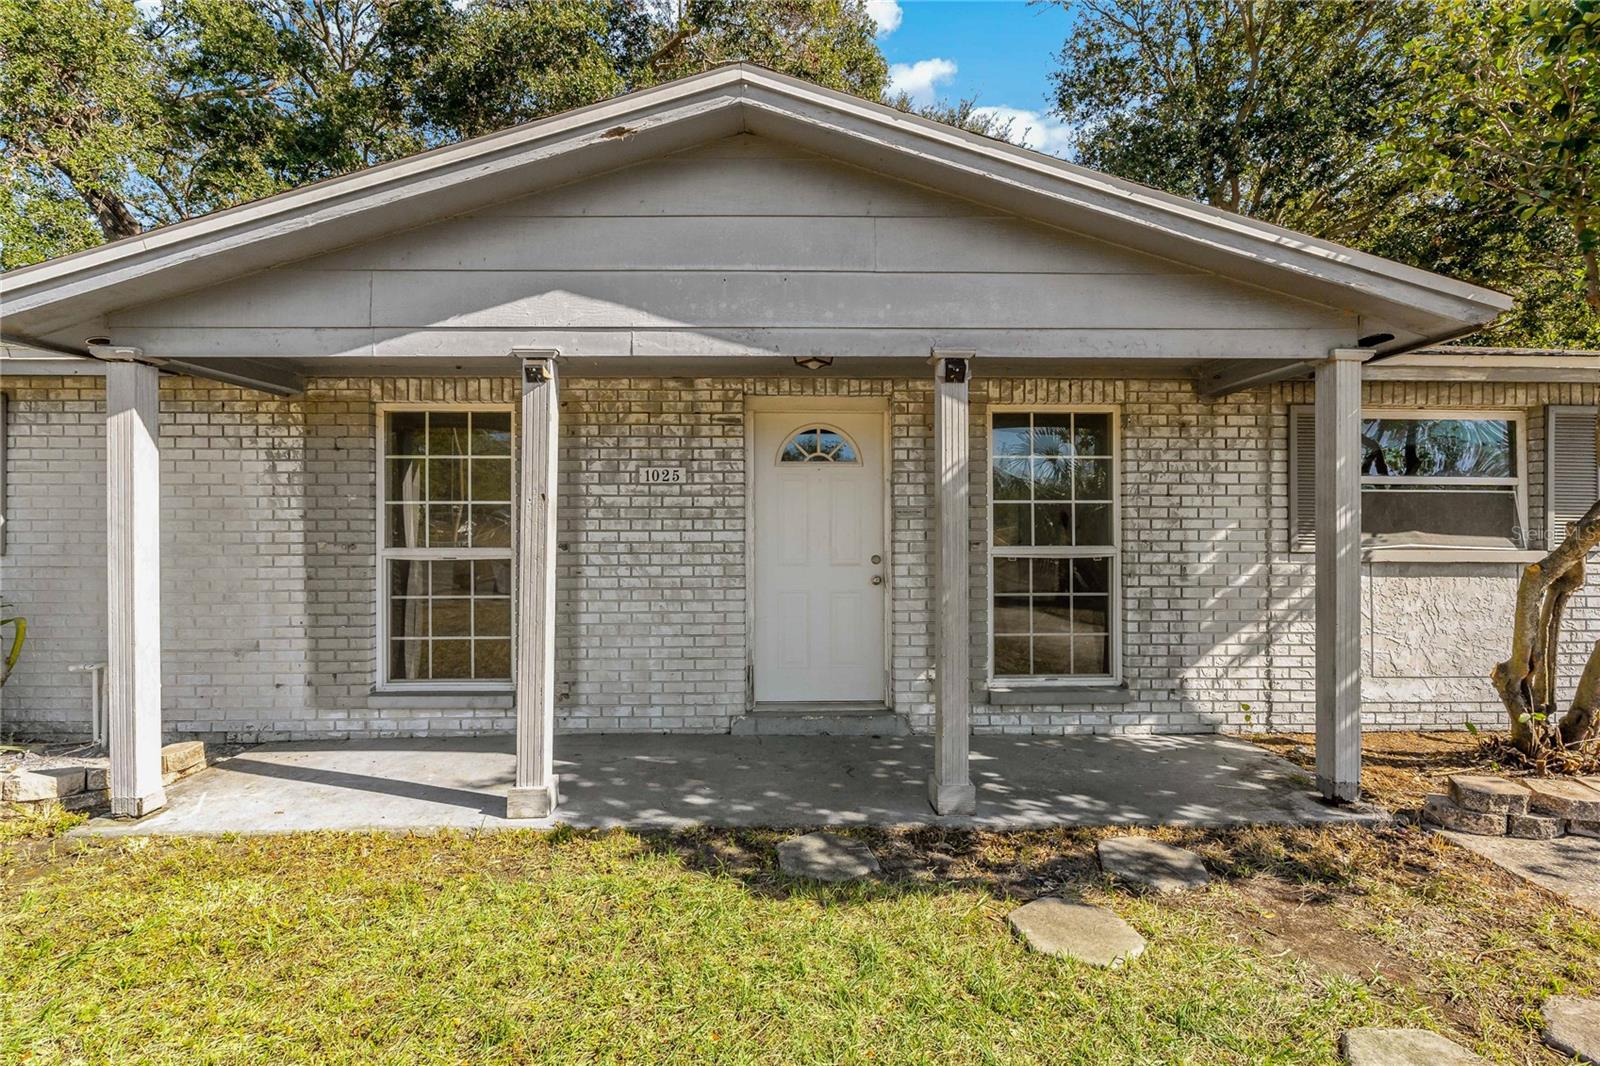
[819, 444]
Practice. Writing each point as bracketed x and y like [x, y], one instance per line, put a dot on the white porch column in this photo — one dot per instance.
[1338, 525]
[950, 787]
[534, 794]
[133, 588]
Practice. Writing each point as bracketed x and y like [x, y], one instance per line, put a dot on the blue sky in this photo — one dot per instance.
[1000, 51]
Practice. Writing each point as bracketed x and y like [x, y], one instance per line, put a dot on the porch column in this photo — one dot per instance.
[950, 788]
[534, 794]
[133, 588]
[1338, 525]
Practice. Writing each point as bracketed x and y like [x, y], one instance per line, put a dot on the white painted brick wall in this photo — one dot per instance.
[269, 575]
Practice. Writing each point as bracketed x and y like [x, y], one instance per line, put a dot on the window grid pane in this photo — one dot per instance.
[447, 486]
[449, 619]
[1052, 479]
[1052, 616]
[1053, 492]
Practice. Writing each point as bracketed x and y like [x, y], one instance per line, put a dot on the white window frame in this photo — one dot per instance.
[382, 683]
[1114, 622]
[1516, 416]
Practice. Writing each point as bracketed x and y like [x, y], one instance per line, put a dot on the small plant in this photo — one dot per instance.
[19, 633]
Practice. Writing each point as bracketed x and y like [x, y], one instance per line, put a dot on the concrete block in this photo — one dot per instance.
[96, 778]
[50, 783]
[88, 800]
[1566, 797]
[1533, 826]
[1493, 795]
[1438, 810]
[183, 756]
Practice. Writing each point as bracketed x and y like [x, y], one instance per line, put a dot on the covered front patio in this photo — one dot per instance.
[914, 277]
[638, 782]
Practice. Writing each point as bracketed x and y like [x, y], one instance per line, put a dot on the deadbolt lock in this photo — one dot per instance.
[876, 559]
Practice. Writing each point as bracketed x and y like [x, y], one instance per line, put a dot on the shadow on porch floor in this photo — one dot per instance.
[673, 781]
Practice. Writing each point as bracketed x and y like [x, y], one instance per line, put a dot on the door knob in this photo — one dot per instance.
[877, 579]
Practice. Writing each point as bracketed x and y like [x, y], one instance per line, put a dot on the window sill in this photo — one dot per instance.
[1439, 555]
[443, 691]
[1450, 555]
[1001, 695]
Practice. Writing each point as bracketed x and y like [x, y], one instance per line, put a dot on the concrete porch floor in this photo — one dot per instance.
[654, 781]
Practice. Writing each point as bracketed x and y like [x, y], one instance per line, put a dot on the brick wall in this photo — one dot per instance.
[269, 576]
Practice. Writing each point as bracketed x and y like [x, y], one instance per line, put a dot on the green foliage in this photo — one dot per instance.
[830, 42]
[19, 635]
[78, 115]
[111, 122]
[1265, 107]
[1361, 122]
[1508, 114]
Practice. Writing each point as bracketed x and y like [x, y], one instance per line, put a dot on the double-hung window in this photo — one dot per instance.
[1428, 479]
[445, 547]
[1053, 545]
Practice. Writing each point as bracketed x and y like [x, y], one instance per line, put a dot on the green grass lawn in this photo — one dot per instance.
[617, 947]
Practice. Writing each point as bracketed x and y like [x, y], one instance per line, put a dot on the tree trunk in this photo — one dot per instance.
[1591, 278]
[1526, 680]
[1582, 722]
[116, 219]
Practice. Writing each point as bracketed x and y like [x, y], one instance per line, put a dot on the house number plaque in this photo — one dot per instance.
[661, 475]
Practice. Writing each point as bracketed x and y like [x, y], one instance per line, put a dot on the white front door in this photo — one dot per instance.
[820, 569]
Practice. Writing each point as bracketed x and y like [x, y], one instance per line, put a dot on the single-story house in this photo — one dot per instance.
[742, 404]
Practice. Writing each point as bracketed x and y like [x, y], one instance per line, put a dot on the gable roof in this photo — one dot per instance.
[50, 304]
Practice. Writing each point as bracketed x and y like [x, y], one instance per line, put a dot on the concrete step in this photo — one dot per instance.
[820, 720]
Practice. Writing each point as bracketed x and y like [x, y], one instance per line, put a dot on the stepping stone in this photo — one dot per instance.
[1565, 797]
[1151, 864]
[826, 857]
[1494, 795]
[1438, 810]
[1076, 931]
[1403, 1047]
[1579, 828]
[1572, 1026]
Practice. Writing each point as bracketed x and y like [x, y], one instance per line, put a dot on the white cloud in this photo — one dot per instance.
[1033, 129]
[887, 14]
[920, 80]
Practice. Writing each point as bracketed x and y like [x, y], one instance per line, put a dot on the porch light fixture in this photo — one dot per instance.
[813, 362]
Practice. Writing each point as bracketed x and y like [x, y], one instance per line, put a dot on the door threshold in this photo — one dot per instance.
[821, 720]
[842, 708]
